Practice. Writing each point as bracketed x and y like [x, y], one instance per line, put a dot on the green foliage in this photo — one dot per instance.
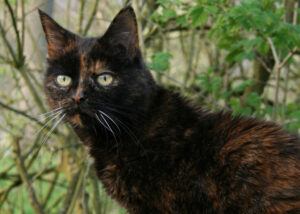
[165, 15]
[210, 83]
[166, 12]
[292, 114]
[160, 61]
[199, 14]
[242, 86]
[244, 31]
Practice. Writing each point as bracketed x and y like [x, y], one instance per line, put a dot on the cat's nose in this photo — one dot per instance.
[79, 97]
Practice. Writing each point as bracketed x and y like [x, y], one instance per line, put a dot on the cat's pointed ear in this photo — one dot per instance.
[59, 40]
[123, 32]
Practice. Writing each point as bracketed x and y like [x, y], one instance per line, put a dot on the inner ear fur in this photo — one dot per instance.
[59, 40]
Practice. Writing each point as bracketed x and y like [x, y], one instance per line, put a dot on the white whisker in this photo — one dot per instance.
[43, 118]
[44, 126]
[50, 112]
[110, 120]
[109, 128]
[101, 122]
[52, 129]
[128, 131]
[107, 124]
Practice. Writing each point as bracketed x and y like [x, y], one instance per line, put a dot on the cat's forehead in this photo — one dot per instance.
[89, 56]
[86, 45]
[91, 65]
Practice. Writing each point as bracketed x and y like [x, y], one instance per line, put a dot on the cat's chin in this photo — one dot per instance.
[79, 118]
[75, 120]
[79, 110]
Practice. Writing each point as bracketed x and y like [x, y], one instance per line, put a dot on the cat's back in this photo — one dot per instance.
[242, 165]
[258, 167]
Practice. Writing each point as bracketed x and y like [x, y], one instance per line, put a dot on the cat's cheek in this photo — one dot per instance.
[52, 103]
[56, 93]
[55, 99]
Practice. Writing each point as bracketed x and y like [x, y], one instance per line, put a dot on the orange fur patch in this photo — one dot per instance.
[76, 120]
[98, 67]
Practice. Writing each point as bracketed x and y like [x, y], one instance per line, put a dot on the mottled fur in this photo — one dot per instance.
[169, 156]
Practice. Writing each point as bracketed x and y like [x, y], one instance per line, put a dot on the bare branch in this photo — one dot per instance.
[14, 22]
[24, 176]
[274, 52]
[22, 113]
[287, 58]
[91, 18]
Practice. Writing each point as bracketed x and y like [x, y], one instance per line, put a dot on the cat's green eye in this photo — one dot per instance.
[105, 79]
[63, 80]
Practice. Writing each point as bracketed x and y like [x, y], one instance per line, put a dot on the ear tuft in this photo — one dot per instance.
[59, 40]
[123, 32]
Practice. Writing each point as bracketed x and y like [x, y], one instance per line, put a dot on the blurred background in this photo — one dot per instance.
[238, 55]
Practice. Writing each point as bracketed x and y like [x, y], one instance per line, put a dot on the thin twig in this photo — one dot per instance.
[8, 45]
[287, 58]
[274, 52]
[262, 62]
[25, 178]
[91, 18]
[22, 113]
[15, 27]
[73, 192]
[96, 199]
[51, 189]
[81, 14]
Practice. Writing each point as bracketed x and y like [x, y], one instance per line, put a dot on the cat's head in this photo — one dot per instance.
[99, 79]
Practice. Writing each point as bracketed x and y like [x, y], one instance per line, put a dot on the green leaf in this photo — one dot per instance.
[216, 84]
[253, 100]
[235, 105]
[182, 21]
[242, 86]
[211, 9]
[160, 61]
[167, 14]
[198, 16]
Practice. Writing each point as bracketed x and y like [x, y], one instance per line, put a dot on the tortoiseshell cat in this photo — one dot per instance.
[154, 151]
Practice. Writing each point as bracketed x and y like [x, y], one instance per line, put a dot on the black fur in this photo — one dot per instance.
[163, 154]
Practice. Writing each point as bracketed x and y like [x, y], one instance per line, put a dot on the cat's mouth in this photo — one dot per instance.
[71, 112]
[77, 115]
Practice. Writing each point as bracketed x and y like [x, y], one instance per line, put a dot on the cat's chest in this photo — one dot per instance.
[142, 185]
[127, 183]
[125, 177]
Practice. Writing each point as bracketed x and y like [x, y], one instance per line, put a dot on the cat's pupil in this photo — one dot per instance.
[104, 78]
